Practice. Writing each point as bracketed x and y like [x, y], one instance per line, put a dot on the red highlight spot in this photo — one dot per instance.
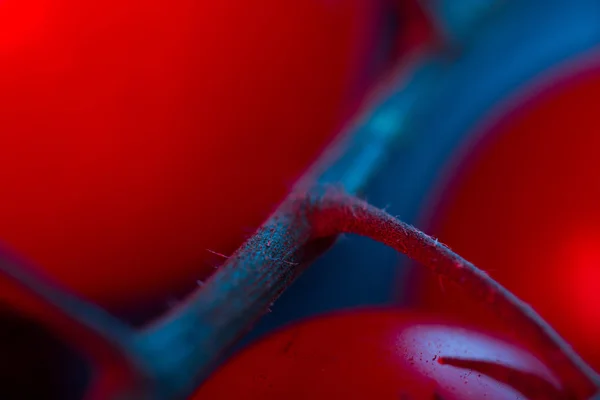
[583, 273]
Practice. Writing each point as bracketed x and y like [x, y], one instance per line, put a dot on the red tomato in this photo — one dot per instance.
[525, 208]
[378, 354]
[138, 134]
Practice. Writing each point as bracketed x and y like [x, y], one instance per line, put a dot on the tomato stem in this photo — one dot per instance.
[353, 215]
[242, 290]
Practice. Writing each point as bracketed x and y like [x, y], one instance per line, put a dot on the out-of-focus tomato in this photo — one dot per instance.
[135, 135]
[526, 208]
[379, 354]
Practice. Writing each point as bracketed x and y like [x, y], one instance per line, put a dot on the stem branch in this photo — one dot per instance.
[246, 285]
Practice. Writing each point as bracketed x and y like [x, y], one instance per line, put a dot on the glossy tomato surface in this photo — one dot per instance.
[379, 354]
[135, 135]
[525, 208]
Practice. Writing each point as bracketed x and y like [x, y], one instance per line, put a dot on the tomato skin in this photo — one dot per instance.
[137, 134]
[383, 354]
[525, 208]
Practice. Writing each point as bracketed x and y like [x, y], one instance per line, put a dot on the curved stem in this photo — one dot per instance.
[196, 334]
[352, 215]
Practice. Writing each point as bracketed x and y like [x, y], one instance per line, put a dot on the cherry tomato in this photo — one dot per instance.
[379, 354]
[138, 134]
[525, 208]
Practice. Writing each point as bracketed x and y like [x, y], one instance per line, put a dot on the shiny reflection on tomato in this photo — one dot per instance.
[381, 354]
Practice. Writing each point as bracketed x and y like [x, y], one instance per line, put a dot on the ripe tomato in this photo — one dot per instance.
[138, 134]
[380, 354]
[525, 208]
